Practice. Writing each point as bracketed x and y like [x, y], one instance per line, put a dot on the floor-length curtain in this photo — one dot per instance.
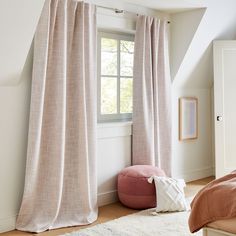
[152, 95]
[60, 184]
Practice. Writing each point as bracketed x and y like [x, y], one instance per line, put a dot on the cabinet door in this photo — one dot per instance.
[225, 106]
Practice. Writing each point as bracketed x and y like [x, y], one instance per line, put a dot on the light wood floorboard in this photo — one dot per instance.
[112, 211]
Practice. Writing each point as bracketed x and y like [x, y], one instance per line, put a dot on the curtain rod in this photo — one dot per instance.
[120, 11]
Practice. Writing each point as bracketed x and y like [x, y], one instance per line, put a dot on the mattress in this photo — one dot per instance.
[228, 225]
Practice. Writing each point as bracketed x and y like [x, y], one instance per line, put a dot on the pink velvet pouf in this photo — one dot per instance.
[134, 191]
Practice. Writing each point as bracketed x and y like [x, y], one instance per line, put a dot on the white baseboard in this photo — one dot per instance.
[7, 224]
[192, 175]
[107, 198]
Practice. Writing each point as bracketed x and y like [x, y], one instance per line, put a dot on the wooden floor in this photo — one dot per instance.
[111, 212]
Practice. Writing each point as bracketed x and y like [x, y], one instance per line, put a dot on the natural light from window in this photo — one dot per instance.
[116, 76]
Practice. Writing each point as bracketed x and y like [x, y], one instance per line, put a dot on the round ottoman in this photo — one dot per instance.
[134, 191]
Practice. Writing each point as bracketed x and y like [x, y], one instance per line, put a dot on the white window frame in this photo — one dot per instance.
[119, 116]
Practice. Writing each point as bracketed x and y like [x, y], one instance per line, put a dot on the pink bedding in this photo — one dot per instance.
[216, 201]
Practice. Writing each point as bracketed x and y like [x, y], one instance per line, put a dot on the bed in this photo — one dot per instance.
[221, 228]
[215, 232]
[214, 208]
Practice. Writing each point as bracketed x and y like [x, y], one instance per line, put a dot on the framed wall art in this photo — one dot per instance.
[188, 118]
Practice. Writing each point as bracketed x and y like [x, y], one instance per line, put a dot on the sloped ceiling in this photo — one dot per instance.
[218, 23]
[184, 26]
[18, 21]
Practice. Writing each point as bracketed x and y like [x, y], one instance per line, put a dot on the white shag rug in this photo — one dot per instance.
[143, 223]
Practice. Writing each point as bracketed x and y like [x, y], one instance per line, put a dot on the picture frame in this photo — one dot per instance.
[188, 118]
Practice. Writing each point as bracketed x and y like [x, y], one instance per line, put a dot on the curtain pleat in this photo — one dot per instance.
[152, 95]
[60, 183]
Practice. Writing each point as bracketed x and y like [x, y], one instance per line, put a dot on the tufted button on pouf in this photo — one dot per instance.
[134, 191]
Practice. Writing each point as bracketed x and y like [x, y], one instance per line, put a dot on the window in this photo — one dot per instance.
[115, 76]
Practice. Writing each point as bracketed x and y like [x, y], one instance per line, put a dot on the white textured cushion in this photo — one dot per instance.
[170, 194]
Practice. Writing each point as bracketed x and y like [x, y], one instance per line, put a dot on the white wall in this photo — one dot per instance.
[18, 20]
[15, 43]
[14, 105]
[193, 159]
[193, 76]
[114, 154]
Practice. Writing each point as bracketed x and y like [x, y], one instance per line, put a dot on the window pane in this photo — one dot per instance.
[108, 56]
[126, 95]
[108, 95]
[126, 57]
